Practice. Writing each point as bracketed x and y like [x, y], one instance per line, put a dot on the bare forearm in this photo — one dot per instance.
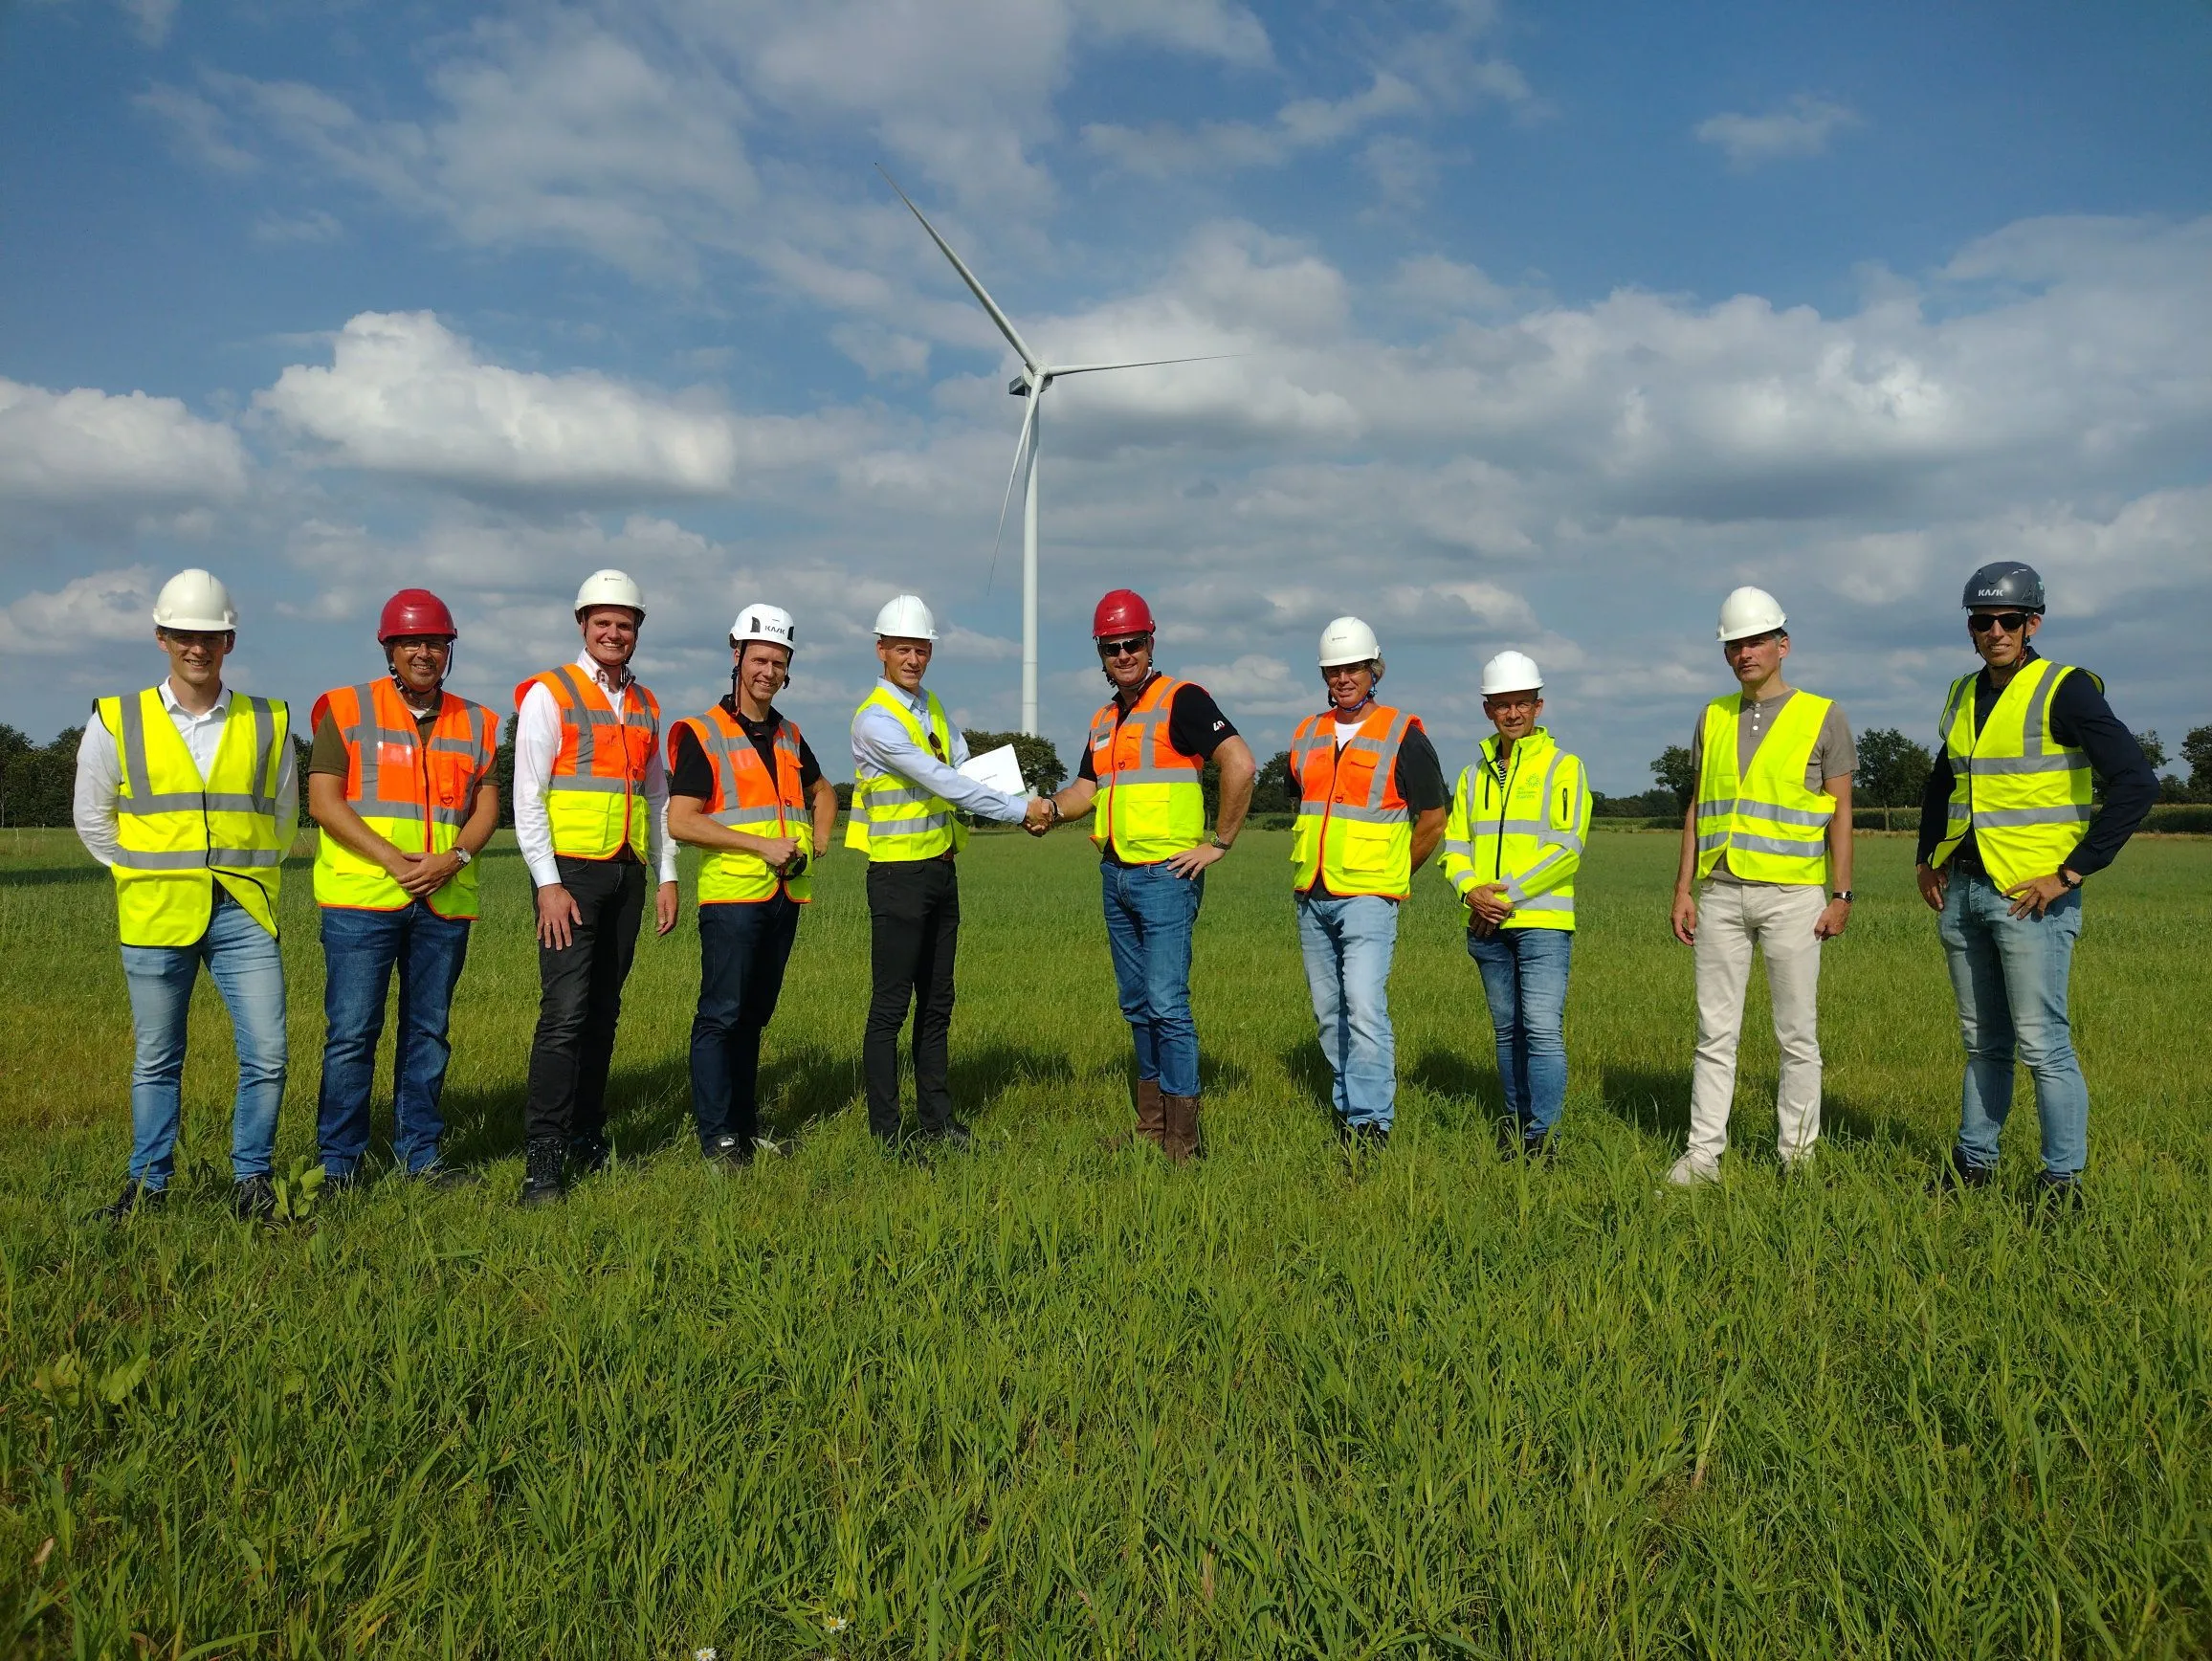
[483, 821]
[1427, 833]
[1238, 772]
[1686, 872]
[825, 811]
[1840, 840]
[335, 817]
[1074, 801]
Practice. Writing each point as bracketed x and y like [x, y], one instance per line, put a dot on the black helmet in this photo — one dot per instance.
[2004, 583]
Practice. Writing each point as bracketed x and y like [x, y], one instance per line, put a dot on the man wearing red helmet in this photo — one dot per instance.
[1149, 745]
[400, 786]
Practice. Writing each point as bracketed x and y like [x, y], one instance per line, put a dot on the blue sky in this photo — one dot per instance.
[1550, 325]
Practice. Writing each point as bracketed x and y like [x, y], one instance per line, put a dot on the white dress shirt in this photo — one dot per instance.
[100, 771]
[881, 744]
[538, 746]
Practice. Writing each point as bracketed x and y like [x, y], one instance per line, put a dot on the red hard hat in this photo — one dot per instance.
[1123, 611]
[415, 612]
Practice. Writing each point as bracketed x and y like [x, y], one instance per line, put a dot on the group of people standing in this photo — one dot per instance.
[187, 792]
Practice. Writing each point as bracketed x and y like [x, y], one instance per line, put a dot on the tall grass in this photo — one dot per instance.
[1047, 1400]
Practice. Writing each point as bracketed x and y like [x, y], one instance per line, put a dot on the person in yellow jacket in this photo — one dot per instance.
[1371, 811]
[187, 792]
[1511, 847]
[590, 811]
[1139, 779]
[399, 781]
[2010, 828]
[746, 789]
[1766, 865]
[908, 794]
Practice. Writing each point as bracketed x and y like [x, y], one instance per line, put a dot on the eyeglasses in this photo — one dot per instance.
[1128, 648]
[2011, 622]
[1342, 670]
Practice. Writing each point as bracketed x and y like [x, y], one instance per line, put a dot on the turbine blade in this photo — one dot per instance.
[1005, 327]
[1021, 448]
[1058, 369]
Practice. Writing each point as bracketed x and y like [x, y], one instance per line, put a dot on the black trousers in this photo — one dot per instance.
[914, 924]
[743, 953]
[580, 999]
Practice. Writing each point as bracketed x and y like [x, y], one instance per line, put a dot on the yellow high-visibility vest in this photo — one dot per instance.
[2026, 797]
[416, 796]
[1354, 831]
[180, 835]
[893, 819]
[1526, 831]
[747, 797]
[595, 789]
[1150, 804]
[1772, 828]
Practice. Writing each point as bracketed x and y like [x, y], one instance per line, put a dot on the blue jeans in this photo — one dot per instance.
[1524, 980]
[247, 968]
[1150, 914]
[1348, 944]
[360, 949]
[2009, 974]
[743, 953]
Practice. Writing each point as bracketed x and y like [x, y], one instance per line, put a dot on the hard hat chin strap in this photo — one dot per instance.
[392, 668]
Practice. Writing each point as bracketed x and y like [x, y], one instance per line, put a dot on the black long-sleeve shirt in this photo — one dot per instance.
[2080, 719]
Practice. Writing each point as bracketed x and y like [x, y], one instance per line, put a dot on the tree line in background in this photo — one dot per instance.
[36, 781]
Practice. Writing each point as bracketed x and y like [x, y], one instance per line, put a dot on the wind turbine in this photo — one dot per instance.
[1032, 382]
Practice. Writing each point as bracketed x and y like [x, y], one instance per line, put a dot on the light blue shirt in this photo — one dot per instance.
[881, 744]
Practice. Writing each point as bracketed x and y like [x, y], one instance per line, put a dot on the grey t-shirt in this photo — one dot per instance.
[1835, 754]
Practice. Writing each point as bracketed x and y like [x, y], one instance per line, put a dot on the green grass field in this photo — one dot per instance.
[1047, 1400]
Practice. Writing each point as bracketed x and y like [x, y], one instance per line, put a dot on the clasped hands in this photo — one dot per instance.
[1487, 909]
[1040, 815]
[423, 874]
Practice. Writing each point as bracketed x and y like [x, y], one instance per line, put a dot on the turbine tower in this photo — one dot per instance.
[1032, 382]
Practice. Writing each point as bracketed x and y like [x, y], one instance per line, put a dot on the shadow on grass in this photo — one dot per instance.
[1308, 1072]
[1470, 1092]
[1649, 1099]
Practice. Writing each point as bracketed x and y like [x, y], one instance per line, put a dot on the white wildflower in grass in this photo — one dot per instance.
[835, 1622]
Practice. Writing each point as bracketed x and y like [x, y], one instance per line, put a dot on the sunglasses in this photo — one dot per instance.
[937, 747]
[2011, 622]
[1128, 648]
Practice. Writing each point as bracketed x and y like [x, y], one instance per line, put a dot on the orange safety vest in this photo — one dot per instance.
[595, 793]
[415, 796]
[747, 798]
[1150, 804]
[1354, 831]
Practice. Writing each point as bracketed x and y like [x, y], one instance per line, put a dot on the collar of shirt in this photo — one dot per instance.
[220, 709]
[754, 728]
[592, 667]
[916, 701]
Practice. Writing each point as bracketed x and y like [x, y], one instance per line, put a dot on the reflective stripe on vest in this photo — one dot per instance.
[1772, 828]
[2025, 796]
[1519, 830]
[1150, 805]
[179, 834]
[747, 798]
[594, 792]
[416, 797]
[894, 819]
[1354, 833]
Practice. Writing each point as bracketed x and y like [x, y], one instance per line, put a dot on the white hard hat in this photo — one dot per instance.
[771, 624]
[1348, 640]
[610, 589]
[195, 602]
[1511, 672]
[904, 617]
[1750, 611]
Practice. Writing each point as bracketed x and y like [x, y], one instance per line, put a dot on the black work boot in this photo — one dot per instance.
[136, 1198]
[953, 1137]
[590, 1154]
[542, 1164]
[2056, 1193]
[1959, 1176]
[730, 1152]
[254, 1199]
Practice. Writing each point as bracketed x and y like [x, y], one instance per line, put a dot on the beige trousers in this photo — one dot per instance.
[1733, 918]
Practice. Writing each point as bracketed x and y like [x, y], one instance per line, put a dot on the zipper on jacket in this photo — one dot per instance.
[1504, 796]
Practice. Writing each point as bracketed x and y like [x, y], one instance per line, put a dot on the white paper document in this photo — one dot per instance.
[998, 770]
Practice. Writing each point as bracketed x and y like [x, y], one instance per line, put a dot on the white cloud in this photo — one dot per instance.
[404, 394]
[1303, 125]
[150, 19]
[90, 448]
[106, 606]
[1801, 127]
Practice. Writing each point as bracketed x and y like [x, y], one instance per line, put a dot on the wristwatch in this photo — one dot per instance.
[1214, 837]
[1842, 893]
[2071, 878]
[463, 855]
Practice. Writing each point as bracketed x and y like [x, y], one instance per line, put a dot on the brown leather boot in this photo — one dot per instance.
[1151, 1119]
[1181, 1139]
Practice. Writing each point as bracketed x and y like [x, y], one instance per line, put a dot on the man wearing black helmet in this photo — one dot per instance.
[2008, 832]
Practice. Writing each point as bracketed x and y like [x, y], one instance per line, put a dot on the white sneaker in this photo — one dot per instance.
[1689, 1173]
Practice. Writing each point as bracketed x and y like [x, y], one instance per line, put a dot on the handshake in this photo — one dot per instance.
[1041, 816]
